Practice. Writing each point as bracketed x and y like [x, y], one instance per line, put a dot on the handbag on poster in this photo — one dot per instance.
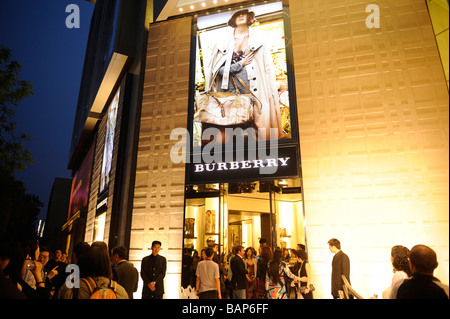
[223, 108]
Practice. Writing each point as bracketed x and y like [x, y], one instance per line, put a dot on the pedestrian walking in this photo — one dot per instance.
[208, 277]
[340, 266]
[276, 276]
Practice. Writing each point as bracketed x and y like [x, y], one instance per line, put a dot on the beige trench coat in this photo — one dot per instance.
[261, 75]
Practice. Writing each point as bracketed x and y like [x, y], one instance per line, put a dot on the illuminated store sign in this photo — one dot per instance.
[283, 165]
[272, 162]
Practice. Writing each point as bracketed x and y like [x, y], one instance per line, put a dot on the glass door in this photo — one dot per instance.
[248, 207]
[203, 215]
[223, 221]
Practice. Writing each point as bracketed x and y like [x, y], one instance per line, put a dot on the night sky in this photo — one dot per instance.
[52, 58]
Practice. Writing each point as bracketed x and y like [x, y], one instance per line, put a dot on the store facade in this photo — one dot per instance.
[360, 151]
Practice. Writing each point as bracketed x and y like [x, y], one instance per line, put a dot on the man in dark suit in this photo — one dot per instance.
[124, 273]
[340, 266]
[153, 271]
[238, 279]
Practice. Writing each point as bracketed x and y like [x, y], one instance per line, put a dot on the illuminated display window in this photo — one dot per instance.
[223, 216]
[99, 227]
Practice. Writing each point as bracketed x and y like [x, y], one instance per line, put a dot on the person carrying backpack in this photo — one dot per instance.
[95, 283]
[108, 291]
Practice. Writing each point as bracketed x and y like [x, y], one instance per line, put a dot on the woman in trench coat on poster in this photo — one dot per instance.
[242, 52]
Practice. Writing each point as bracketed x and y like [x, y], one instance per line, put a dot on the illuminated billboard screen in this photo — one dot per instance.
[109, 142]
[243, 98]
[79, 193]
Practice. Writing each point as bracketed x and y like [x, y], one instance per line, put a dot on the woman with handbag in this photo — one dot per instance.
[241, 63]
[304, 288]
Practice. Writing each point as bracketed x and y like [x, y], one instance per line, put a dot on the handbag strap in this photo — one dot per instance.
[113, 285]
[249, 91]
[300, 269]
[299, 275]
[232, 81]
[88, 282]
[242, 82]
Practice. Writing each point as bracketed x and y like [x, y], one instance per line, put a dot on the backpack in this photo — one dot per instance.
[101, 293]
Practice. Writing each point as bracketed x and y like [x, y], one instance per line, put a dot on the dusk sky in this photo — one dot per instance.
[52, 58]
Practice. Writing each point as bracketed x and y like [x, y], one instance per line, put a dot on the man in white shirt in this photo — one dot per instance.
[208, 277]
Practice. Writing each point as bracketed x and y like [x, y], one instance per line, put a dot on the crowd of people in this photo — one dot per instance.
[31, 271]
[34, 272]
[245, 274]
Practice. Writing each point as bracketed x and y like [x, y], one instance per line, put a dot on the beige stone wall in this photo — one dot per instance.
[158, 209]
[373, 119]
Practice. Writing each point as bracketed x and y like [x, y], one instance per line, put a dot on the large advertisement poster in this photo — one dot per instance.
[79, 193]
[109, 142]
[242, 98]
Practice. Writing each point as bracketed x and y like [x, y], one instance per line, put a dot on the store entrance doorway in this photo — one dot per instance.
[226, 215]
